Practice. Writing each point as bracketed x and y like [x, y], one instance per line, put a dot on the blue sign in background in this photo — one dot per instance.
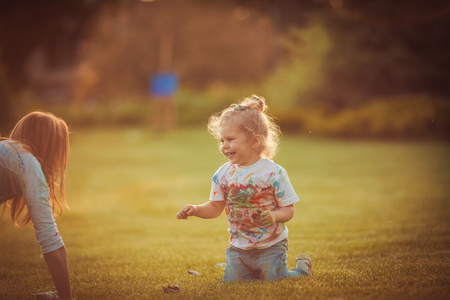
[163, 84]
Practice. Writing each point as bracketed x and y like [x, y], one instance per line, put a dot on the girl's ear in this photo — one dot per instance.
[256, 141]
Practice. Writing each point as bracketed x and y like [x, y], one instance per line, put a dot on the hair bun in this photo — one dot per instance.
[255, 102]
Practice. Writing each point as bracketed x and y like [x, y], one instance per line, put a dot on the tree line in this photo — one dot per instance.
[341, 53]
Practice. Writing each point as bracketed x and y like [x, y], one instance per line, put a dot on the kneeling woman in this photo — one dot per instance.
[31, 161]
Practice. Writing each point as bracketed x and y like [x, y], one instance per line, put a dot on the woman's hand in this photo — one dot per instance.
[186, 211]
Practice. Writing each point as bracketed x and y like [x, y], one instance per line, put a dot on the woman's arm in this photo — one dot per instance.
[37, 199]
[59, 270]
[208, 210]
[281, 215]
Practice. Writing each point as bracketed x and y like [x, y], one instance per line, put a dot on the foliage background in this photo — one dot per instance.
[340, 68]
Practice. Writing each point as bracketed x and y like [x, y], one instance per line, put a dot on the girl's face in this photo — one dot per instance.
[236, 146]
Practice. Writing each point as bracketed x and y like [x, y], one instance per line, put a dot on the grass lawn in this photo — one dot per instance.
[374, 216]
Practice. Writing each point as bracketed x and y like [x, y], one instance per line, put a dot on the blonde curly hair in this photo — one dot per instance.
[250, 116]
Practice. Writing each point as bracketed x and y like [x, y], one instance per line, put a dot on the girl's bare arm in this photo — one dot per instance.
[208, 210]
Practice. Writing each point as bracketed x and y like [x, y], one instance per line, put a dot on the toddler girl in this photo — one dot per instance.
[255, 192]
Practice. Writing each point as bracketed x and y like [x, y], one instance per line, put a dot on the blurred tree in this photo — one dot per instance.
[25, 25]
[6, 118]
[386, 48]
[375, 47]
[214, 44]
[302, 71]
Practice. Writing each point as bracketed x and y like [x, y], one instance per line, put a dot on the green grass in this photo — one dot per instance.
[374, 217]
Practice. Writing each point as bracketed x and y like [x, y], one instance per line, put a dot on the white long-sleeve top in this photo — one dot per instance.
[21, 174]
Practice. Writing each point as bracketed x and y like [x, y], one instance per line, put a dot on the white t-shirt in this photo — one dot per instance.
[249, 190]
[21, 174]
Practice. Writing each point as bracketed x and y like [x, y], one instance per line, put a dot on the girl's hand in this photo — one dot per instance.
[268, 218]
[186, 211]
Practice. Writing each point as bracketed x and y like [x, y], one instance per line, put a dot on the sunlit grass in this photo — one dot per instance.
[374, 217]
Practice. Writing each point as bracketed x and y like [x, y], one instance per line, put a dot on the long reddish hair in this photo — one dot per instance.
[46, 137]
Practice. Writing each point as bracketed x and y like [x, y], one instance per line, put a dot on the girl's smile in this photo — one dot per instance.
[237, 147]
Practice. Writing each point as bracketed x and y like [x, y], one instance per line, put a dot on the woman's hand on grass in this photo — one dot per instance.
[186, 211]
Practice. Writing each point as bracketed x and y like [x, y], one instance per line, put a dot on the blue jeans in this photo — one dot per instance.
[264, 264]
